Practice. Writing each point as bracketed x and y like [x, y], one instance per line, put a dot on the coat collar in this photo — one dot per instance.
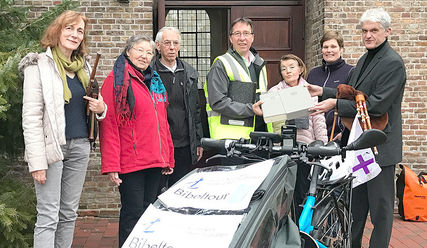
[375, 60]
[334, 66]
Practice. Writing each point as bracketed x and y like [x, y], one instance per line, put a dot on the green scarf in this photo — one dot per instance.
[76, 66]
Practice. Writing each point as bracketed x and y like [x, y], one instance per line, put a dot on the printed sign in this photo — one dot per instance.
[221, 190]
[361, 162]
[166, 229]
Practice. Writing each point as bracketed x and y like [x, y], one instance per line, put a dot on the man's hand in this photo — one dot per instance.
[323, 106]
[114, 177]
[338, 137]
[256, 107]
[39, 176]
[96, 105]
[314, 89]
[199, 153]
[167, 171]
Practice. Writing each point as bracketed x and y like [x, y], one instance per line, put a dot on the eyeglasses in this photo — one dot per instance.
[239, 34]
[142, 52]
[168, 43]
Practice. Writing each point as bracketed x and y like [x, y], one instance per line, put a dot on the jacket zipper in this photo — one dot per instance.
[157, 120]
[133, 143]
[327, 78]
[158, 128]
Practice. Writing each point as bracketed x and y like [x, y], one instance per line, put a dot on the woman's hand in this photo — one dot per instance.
[39, 176]
[256, 107]
[96, 105]
[323, 106]
[167, 171]
[314, 90]
[114, 177]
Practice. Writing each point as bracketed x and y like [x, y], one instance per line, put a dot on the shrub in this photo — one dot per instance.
[17, 211]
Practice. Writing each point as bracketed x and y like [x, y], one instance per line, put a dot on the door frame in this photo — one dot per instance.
[160, 6]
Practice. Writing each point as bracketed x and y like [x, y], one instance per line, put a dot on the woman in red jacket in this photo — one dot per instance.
[136, 145]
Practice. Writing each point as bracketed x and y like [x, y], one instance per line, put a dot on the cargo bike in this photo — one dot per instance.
[266, 221]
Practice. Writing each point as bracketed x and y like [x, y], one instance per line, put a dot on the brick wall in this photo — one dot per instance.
[314, 27]
[111, 23]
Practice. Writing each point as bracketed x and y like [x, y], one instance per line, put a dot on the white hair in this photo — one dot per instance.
[376, 15]
[160, 33]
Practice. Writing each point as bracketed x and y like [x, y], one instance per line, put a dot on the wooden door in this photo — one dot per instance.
[278, 30]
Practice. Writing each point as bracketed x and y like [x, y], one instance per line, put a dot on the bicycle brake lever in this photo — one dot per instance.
[215, 157]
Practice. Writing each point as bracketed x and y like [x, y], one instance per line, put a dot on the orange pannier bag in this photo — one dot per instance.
[411, 190]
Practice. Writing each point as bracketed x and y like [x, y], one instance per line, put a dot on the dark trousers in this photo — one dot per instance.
[183, 164]
[377, 197]
[137, 191]
[301, 187]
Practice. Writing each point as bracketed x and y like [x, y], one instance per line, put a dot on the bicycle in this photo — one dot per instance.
[326, 217]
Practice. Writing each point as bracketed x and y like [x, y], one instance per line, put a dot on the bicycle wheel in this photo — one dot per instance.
[333, 230]
[308, 241]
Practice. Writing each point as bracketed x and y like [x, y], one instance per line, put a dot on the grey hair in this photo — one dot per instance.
[376, 15]
[136, 39]
[160, 33]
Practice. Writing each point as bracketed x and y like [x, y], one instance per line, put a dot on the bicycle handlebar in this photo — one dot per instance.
[368, 138]
[218, 145]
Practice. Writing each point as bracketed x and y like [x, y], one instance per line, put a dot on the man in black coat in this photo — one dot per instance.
[380, 74]
[180, 80]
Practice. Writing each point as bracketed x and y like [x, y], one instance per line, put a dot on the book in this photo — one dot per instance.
[243, 92]
[286, 104]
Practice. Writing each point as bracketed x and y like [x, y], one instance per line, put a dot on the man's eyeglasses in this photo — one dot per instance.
[168, 43]
[142, 52]
[239, 34]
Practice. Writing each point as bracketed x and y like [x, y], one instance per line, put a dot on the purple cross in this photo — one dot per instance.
[363, 164]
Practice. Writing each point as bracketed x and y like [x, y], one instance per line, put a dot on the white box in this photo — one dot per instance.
[286, 104]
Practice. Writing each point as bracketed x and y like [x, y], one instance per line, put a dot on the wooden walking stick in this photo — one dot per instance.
[377, 122]
[363, 113]
[333, 126]
[92, 91]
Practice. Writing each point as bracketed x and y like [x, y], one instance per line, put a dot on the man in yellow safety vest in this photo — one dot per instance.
[232, 85]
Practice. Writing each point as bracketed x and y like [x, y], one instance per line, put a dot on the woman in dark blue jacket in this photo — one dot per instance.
[333, 71]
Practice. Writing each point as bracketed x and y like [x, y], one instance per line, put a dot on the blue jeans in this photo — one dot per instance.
[58, 199]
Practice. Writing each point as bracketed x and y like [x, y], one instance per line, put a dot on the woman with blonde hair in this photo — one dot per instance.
[55, 126]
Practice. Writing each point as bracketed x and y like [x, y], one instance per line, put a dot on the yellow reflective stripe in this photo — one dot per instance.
[235, 71]
[232, 72]
[242, 71]
[263, 83]
[227, 67]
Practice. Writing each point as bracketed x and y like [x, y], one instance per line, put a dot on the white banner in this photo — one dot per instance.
[221, 190]
[361, 162]
[165, 229]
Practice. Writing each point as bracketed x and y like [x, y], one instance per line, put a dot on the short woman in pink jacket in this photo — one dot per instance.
[136, 145]
[309, 128]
